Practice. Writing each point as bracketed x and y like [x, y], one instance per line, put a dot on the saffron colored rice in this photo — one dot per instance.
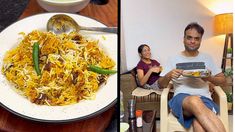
[64, 60]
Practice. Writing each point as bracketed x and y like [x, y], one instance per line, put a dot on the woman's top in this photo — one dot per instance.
[145, 67]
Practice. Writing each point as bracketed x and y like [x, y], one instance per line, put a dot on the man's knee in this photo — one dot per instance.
[193, 101]
[192, 105]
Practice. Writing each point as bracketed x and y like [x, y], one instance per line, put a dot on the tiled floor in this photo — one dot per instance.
[230, 118]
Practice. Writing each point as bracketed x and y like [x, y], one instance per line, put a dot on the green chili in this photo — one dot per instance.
[101, 70]
[36, 58]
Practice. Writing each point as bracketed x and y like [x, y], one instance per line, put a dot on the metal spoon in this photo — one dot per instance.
[61, 23]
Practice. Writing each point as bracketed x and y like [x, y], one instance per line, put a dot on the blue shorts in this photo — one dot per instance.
[175, 105]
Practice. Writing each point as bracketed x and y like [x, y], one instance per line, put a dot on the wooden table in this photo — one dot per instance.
[107, 14]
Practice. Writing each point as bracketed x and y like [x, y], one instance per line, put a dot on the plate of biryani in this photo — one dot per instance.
[197, 73]
[57, 78]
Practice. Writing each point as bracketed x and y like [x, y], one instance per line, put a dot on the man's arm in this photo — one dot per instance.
[218, 79]
[164, 81]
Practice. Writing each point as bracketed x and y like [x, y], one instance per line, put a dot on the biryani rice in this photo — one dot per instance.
[64, 60]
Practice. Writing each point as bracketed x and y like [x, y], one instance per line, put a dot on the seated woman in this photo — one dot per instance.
[148, 70]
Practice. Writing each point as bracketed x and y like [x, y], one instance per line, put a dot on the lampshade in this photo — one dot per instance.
[223, 24]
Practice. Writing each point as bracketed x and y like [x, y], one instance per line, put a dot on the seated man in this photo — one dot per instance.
[192, 102]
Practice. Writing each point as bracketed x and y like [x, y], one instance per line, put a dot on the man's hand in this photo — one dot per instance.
[208, 78]
[217, 79]
[175, 73]
[164, 81]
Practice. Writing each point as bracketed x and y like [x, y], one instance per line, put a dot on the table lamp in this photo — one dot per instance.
[223, 24]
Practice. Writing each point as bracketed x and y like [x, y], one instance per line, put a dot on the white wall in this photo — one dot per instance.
[160, 24]
[123, 53]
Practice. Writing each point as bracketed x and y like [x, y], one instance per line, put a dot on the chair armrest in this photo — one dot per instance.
[164, 109]
[220, 97]
[221, 100]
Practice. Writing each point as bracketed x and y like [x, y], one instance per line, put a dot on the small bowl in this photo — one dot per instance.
[69, 6]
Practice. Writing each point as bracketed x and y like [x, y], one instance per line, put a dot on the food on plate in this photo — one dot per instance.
[51, 69]
[196, 73]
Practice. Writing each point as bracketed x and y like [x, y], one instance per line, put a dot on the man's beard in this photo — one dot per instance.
[191, 49]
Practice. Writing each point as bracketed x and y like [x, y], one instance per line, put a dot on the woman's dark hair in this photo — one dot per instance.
[196, 26]
[140, 48]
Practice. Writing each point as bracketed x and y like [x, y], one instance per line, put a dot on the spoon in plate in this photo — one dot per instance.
[62, 23]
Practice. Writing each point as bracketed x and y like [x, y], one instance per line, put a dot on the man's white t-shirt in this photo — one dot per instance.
[192, 86]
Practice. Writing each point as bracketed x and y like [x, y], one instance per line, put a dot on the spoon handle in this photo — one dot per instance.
[101, 29]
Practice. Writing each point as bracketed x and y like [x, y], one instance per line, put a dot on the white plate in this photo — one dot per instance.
[15, 103]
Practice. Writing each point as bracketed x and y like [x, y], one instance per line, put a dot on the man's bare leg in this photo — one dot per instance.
[197, 127]
[193, 105]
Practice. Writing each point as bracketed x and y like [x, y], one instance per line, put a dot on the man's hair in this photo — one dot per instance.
[196, 26]
[140, 48]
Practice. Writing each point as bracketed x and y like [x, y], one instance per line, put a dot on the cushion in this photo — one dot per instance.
[140, 92]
